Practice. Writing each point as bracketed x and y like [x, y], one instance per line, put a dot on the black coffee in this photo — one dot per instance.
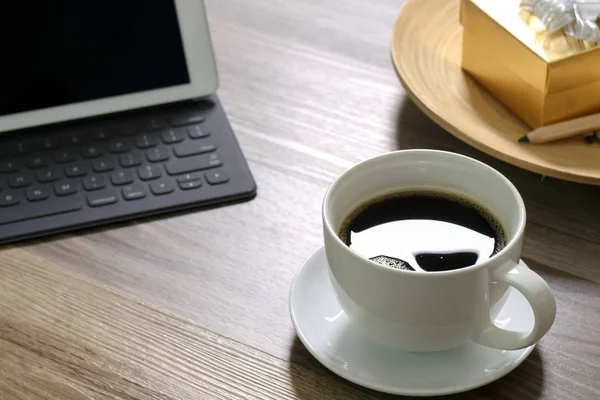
[425, 230]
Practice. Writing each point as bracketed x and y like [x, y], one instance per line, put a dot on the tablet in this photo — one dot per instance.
[70, 59]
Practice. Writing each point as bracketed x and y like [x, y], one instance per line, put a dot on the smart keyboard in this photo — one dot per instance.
[102, 170]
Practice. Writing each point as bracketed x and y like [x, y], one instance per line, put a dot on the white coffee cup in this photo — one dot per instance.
[433, 311]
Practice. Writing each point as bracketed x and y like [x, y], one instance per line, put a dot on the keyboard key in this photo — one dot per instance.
[146, 140]
[157, 154]
[18, 148]
[98, 134]
[10, 165]
[195, 132]
[37, 161]
[47, 175]
[121, 177]
[65, 188]
[75, 170]
[192, 176]
[190, 164]
[48, 143]
[37, 193]
[154, 124]
[92, 150]
[37, 210]
[186, 119]
[130, 160]
[65, 156]
[173, 135]
[148, 172]
[103, 164]
[218, 176]
[134, 192]
[19, 180]
[75, 138]
[163, 186]
[8, 199]
[120, 145]
[93, 183]
[193, 148]
[190, 185]
[102, 198]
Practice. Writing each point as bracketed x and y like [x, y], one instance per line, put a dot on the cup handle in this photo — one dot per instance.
[538, 294]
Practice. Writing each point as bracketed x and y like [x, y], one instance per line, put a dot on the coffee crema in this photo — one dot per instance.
[423, 229]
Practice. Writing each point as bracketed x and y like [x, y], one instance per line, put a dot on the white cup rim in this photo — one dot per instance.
[502, 253]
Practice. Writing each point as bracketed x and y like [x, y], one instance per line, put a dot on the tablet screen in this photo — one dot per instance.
[59, 52]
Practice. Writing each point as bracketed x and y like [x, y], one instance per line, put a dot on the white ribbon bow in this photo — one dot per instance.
[576, 18]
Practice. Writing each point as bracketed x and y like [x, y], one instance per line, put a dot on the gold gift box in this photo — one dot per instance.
[542, 77]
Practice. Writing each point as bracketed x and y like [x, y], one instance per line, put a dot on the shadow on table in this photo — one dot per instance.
[103, 227]
[415, 130]
[310, 378]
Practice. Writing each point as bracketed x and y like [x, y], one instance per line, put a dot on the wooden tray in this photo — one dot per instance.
[426, 50]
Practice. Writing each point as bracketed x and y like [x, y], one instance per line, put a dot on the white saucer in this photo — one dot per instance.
[330, 337]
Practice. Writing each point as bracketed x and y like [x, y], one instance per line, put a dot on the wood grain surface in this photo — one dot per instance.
[426, 49]
[194, 305]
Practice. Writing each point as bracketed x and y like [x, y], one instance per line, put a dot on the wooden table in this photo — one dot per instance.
[194, 305]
